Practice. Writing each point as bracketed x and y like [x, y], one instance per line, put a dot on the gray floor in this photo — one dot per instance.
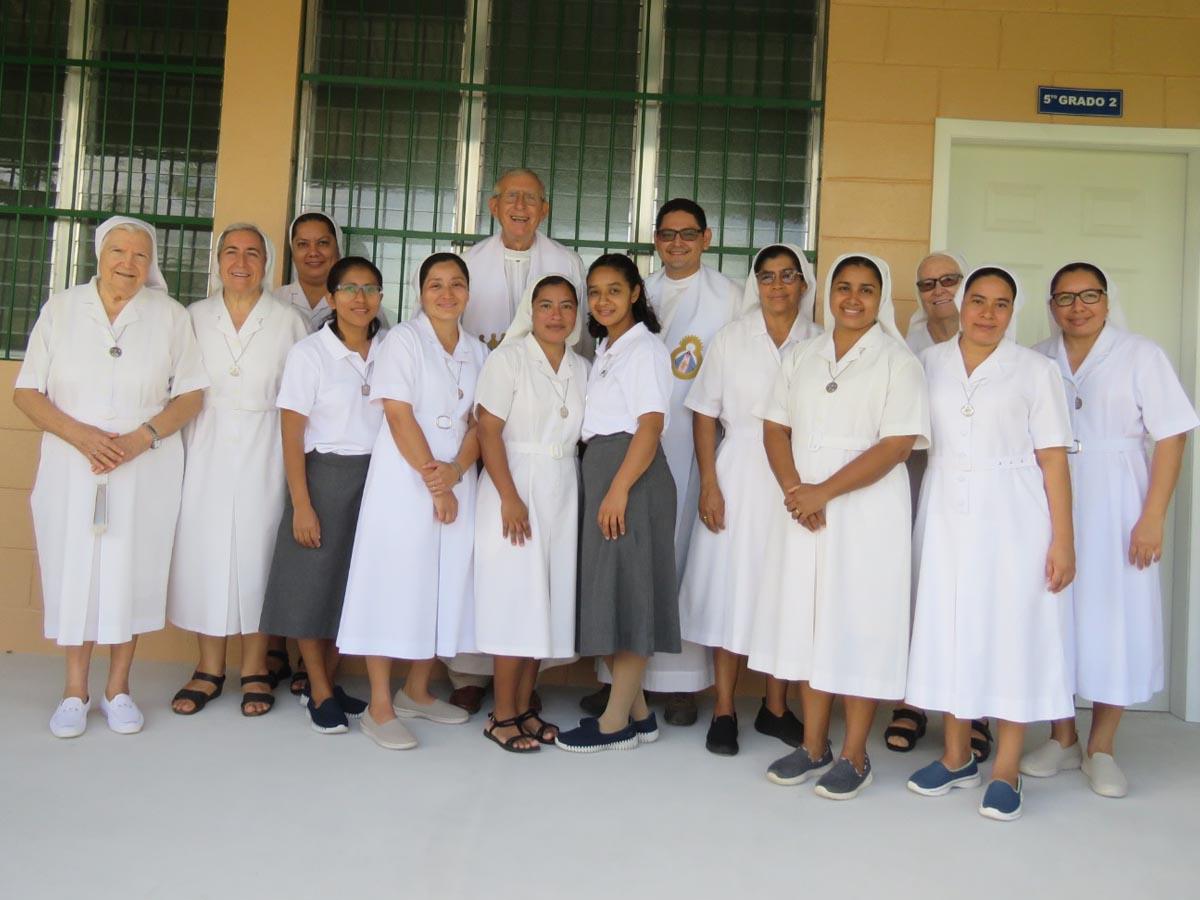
[219, 806]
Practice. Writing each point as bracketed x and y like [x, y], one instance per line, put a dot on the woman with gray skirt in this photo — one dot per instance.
[628, 604]
[329, 426]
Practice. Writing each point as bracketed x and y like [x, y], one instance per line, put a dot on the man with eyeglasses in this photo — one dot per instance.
[503, 265]
[936, 318]
[693, 302]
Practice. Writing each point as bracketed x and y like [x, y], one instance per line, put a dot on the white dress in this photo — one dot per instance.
[525, 596]
[988, 635]
[233, 482]
[723, 579]
[409, 592]
[1125, 391]
[834, 609]
[111, 586]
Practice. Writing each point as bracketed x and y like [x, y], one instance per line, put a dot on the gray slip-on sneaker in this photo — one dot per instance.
[391, 735]
[437, 711]
[797, 767]
[843, 781]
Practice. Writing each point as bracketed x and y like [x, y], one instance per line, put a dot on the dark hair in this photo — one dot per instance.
[776, 250]
[553, 281]
[336, 273]
[436, 258]
[1078, 267]
[856, 261]
[315, 217]
[641, 306]
[681, 204]
[991, 272]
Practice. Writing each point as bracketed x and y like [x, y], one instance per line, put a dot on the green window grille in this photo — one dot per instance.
[410, 111]
[106, 107]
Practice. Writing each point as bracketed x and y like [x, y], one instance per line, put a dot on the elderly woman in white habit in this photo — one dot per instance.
[111, 374]
[233, 484]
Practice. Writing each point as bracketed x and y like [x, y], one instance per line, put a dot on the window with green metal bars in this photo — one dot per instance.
[106, 106]
[411, 110]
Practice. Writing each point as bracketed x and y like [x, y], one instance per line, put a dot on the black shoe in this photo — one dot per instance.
[327, 718]
[351, 706]
[787, 727]
[595, 704]
[722, 736]
[680, 709]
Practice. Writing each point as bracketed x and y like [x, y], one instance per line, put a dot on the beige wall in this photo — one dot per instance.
[894, 66]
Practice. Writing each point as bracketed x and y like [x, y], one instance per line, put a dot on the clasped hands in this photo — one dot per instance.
[806, 504]
[440, 479]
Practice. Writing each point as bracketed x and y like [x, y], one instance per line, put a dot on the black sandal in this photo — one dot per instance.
[256, 696]
[981, 747]
[910, 736]
[199, 699]
[543, 726]
[511, 744]
[274, 676]
[299, 683]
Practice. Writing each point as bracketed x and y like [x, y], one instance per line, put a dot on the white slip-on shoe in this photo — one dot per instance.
[1050, 759]
[70, 719]
[1104, 775]
[391, 735]
[123, 714]
[437, 711]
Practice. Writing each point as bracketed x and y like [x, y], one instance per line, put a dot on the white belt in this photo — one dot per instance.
[965, 463]
[1111, 445]
[822, 442]
[554, 451]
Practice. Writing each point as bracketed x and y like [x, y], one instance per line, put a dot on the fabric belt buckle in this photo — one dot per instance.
[556, 451]
[1076, 446]
[444, 422]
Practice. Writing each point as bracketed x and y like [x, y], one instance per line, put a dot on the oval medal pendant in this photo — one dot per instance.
[443, 422]
[1079, 403]
[968, 410]
[235, 371]
[562, 411]
[831, 387]
[366, 390]
[114, 352]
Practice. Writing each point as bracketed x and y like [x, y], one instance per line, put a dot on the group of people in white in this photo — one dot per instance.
[717, 482]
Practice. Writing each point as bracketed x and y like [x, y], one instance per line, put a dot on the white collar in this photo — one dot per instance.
[628, 339]
[335, 348]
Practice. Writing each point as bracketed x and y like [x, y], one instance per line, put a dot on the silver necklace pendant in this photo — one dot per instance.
[1079, 403]
[114, 352]
[562, 411]
[460, 394]
[234, 370]
[968, 410]
[366, 390]
[831, 387]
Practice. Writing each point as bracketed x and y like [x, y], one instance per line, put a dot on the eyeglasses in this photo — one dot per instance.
[787, 276]
[1067, 298]
[925, 285]
[367, 290]
[511, 197]
[666, 235]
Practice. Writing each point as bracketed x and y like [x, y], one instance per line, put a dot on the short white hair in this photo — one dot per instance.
[511, 172]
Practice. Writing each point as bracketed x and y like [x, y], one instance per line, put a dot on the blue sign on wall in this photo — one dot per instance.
[1061, 101]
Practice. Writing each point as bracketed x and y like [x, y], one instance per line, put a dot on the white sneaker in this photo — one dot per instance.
[70, 719]
[1050, 759]
[123, 714]
[1104, 775]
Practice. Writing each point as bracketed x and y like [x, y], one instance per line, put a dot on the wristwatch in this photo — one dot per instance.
[155, 440]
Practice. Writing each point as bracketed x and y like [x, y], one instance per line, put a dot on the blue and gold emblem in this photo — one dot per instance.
[687, 357]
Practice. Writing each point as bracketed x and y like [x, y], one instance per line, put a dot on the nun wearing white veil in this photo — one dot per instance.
[845, 411]
[993, 545]
[233, 483]
[1121, 393]
[111, 374]
[529, 402]
[723, 578]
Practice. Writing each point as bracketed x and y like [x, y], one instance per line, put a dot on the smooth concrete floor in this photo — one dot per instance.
[218, 806]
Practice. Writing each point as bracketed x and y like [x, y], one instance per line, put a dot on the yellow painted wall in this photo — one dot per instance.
[894, 66]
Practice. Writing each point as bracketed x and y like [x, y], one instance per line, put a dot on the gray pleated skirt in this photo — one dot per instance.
[628, 593]
[306, 586]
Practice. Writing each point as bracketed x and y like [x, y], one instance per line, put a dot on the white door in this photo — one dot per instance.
[1034, 208]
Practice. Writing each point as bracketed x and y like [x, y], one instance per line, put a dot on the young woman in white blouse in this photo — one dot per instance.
[529, 401]
[409, 593]
[329, 427]
[1121, 392]
[233, 482]
[994, 545]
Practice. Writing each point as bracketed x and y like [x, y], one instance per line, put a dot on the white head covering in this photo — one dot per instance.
[1116, 315]
[415, 283]
[337, 235]
[920, 317]
[214, 262]
[808, 301]
[522, 323]
[1010, 333]
[887, 309]
[155, 278]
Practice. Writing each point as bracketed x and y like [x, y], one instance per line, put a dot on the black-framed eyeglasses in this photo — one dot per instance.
[787, 276]
[666, 235]
[1067, 298]
[367, 290]
[925, 285]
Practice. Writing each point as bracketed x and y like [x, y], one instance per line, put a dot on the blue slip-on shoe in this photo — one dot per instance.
[351, 706]
[1001, 802]
[797, 767]
[327, 718]
[843, 781]
[588, 738]
[935, 779]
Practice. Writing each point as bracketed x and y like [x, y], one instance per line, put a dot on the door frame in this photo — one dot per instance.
[1183, 652]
